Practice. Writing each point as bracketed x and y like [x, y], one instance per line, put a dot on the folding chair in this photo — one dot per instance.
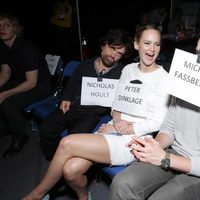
[42, 108]
[113, 170]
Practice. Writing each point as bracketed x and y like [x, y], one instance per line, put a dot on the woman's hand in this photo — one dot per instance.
[123, 127]
[106, 128]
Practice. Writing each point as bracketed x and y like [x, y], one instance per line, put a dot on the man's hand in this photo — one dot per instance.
[65, 106]
[147, 150]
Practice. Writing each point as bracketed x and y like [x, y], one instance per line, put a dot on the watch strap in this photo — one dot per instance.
[165, 162]
[167, 155]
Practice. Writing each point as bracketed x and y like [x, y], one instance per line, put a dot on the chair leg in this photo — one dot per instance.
[34, 126]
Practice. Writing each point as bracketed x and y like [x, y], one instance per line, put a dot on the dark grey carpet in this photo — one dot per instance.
[20, 173]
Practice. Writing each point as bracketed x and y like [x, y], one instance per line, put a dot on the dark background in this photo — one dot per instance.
[96, 17]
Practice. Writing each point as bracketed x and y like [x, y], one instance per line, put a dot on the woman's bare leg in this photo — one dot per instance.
[87, 146]
[74, 174]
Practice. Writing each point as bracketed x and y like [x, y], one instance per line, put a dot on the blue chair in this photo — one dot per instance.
[42, 108]
[113, 170]
[109, 171]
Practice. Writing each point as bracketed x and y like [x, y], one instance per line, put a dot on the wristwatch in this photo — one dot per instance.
[165, 163]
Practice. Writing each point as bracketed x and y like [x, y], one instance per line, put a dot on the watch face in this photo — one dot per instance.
[165, 163]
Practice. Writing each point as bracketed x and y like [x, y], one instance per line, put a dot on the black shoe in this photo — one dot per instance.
[15, 147]
[3, 133]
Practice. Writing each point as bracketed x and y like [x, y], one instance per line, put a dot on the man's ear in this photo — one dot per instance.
[135, 45]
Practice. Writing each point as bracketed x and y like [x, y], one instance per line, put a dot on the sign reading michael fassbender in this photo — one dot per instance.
[132, 98]
[184, 77]
[101, 93]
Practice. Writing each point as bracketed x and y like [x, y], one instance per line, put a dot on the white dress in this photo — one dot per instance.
[157, 105]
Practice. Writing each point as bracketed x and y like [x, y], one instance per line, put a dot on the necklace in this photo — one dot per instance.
[100, 67]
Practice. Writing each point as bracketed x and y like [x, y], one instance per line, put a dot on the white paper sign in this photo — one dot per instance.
[132, 98]
[100, 93]
[184, 77]
[52, 61]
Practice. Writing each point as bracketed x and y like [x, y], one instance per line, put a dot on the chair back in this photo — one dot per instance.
[70, 67]
[65, 71]
[43, 107]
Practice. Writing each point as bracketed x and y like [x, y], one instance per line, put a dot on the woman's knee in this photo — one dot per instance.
[66, 144]
[71, 170]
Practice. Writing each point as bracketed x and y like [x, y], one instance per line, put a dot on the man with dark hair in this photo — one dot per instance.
[116, 51]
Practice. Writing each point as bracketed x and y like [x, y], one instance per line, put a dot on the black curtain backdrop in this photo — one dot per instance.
[96, 17]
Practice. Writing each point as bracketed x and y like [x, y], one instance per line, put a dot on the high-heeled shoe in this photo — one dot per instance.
[46, 197]
[89, 196]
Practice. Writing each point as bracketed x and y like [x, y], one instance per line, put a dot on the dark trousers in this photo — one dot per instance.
[12, 119]
[75, 121]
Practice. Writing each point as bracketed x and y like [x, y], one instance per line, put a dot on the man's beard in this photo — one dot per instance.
[108, 63]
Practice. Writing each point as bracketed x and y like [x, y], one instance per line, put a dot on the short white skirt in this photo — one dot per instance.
[119, 152]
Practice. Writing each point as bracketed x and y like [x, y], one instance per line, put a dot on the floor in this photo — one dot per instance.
[20, 174]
